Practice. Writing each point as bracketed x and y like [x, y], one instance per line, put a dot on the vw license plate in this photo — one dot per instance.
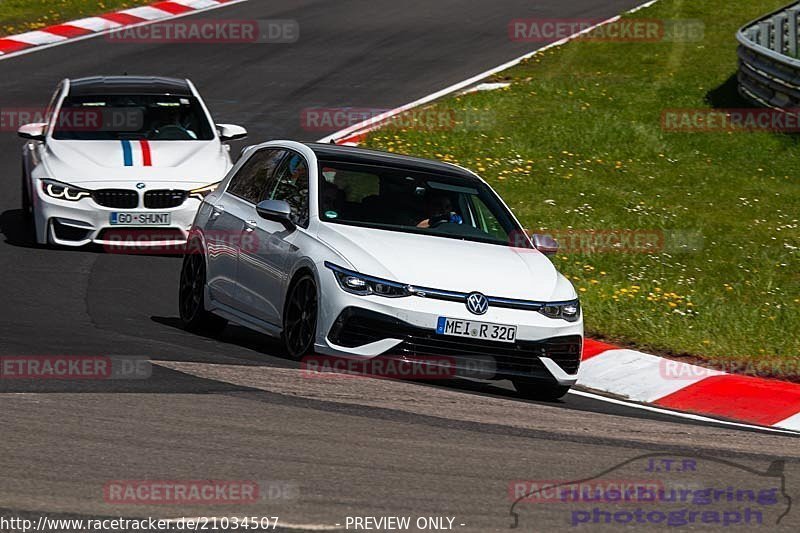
[140, 219]
[476, 330]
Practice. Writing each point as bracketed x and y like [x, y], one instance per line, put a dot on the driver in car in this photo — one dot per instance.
[171, 128]
[441, 210]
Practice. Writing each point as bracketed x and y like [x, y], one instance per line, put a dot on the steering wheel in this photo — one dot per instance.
[438, 220]
[172, 132]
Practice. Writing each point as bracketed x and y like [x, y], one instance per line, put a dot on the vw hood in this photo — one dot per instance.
[448, 264]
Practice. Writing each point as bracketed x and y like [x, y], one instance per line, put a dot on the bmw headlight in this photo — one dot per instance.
[64, 191]
[362, 285]
[569, 311]
[202, 192]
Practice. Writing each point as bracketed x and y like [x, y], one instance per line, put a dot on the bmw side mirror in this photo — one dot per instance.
[34, 132]
[545, 244]
[276, 210]
[231, 132]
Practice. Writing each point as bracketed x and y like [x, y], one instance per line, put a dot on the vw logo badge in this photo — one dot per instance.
[140, 186]
[477, 303]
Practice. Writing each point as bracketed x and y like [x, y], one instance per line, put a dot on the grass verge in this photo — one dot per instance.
[18, 16]
[576, 143]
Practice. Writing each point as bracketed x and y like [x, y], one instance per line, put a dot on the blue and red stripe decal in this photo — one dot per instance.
[127, 153]
[146, 155]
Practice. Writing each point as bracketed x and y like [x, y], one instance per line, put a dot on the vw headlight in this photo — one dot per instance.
[569, 311]
[64, 191]
[202, 192]
[362, 285]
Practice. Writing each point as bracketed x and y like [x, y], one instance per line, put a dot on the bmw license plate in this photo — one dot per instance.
[476, 330]
[140, 219]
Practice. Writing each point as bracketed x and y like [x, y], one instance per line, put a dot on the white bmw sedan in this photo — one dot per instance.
[122, 161]
[361, 254]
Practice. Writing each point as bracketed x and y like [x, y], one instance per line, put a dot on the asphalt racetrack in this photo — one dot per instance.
[229, 408]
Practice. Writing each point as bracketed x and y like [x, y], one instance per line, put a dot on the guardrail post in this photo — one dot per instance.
[793, 15]
[778, 25]
[763, 33]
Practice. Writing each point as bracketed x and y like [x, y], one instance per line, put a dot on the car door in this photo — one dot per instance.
[263, 269]
[225, 227]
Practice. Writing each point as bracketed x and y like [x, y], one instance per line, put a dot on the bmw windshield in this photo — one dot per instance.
[113, 117]
[413, 202]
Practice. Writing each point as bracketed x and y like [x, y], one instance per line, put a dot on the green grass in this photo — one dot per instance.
[17, 16]
[576, 142]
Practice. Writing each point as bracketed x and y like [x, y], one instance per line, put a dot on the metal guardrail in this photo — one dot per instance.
[769, 65]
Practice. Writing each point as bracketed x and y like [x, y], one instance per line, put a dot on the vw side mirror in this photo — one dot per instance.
[545, 244]
[276, 210]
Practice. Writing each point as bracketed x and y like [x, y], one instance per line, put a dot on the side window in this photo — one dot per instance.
[249, 182]
[291, 186]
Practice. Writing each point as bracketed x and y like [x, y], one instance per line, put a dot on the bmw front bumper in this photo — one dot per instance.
[82, 222]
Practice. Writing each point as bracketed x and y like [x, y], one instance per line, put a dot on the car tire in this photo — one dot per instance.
[300, 317]
[539, 390]
[191, 296]
[27, 205]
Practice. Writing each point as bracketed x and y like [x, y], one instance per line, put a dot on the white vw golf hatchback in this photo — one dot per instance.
[361, 254]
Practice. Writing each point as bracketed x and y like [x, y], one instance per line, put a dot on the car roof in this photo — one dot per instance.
[352, 154]
[129, 85]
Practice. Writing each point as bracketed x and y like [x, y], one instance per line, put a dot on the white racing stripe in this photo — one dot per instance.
[793, 423]
[688, 416]
[486, 87]
[147, 13]
[63, 40]
[196, 4]
[37, 37]
[94, 24]
[639, 376]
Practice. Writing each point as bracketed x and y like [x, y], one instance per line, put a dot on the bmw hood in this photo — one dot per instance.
[83, 162]
[448, 264]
